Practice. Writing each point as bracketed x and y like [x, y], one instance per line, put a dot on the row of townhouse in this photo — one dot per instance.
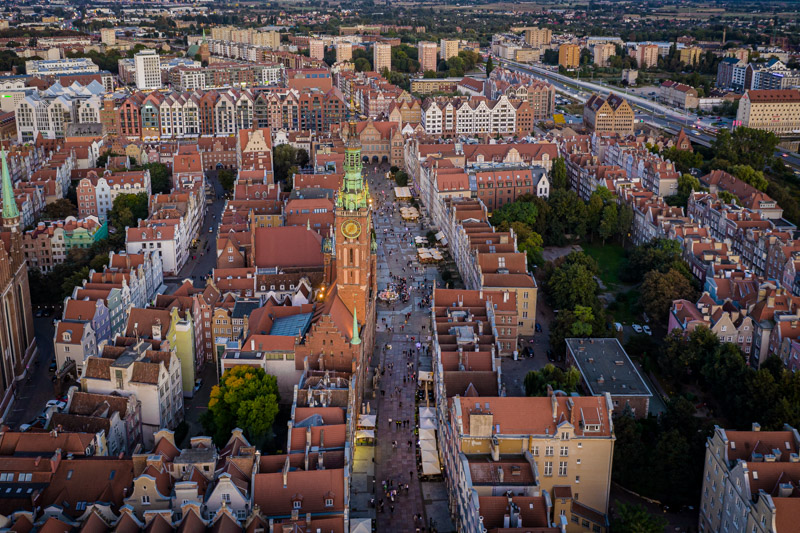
[96, 194]
[173, 115]
[127, 281]
[227, 74]
[476, 115]
[49, 244]
[557, 462]
[420, 157]
[539, 94]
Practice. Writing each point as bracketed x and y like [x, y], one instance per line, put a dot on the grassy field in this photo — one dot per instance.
[610, 258]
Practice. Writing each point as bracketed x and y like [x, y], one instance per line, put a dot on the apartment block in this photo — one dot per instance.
[381, 57]
[148, 70]
[426, 52]
[777, 111]
[344, 51]
[448, 48]
[538, 36]
[569, 55]
[602, 52]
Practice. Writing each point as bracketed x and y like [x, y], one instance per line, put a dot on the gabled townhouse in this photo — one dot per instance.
[140, 368]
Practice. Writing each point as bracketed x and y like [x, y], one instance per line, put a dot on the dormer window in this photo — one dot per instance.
[328, 502]
[297, 504]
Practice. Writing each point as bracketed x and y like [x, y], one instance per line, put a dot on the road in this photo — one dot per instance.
[395, 337]
[34, 394]
[203, 258]
[657, 115]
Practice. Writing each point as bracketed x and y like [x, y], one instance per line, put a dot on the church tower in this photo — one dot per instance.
[353, 234]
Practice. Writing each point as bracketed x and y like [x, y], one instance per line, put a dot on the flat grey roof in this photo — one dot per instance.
[605, 367]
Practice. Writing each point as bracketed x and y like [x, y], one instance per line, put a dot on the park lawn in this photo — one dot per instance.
[610, 258]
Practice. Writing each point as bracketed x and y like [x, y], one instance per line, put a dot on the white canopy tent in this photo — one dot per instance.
[427, 412]
[427, 423]
[427, 434]
[430, 464]
[366, 421]
[427, 445]
[365, 434]
[361, 525]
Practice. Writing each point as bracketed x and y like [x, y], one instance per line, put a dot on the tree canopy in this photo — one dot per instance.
[536, 381]
[247, 398]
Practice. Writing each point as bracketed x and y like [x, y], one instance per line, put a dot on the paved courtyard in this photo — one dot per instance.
[395, 396]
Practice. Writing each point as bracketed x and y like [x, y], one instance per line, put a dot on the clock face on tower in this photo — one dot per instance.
[351, 229]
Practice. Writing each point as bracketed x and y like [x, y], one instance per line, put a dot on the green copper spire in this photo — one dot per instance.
[9, 203]
[352, 195]
[356, 339]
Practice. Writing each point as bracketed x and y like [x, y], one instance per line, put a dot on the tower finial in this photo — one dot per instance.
[356, 339]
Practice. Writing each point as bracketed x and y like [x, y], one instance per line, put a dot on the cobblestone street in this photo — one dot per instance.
[395, 397]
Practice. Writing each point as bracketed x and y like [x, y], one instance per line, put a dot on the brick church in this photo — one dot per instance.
[17, 340]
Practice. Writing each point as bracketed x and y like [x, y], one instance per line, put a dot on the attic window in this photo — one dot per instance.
[69, 474]
[328, 502]
[297, 504]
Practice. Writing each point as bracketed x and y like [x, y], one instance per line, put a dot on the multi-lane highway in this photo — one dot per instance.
[655, 114]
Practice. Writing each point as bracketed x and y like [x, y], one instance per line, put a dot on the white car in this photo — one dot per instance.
[59, 405]
[647, 330]
[617, 326]
[637, 328]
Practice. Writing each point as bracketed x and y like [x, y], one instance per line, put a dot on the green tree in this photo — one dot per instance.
[624, 221]
[536, 381]
[659, 290]
[362, 65]
[584, 317]
[517, 211]
[558, 174]
[401, 178]
[566, 218]
[74, 280]
[572, 285]
[489, 66]
[635, 519]
[684, 160]
[227, 179]
[727, 197]
[247, 398]
[284, 156]
[753, 177]
[59, 210]
[160, 177]
[126, 211]
[608, 223]
[658, 254]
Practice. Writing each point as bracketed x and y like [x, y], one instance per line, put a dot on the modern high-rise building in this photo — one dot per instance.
[426, 51]
[108, 36]
[344, 52]
[569, 55]
[602, 52]
[316, 49]
[381, 57]
[646, 55]
[448, 48]
[538, 36]
[148, 70]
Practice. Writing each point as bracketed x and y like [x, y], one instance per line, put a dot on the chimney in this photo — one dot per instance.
[308, 519]
[756, 426]
[771, 300]
[252, 345]
[500, 474]
[285, 472]
[785, 490]
[308, 437]
[480, 327]
[505, 296]
[157, 329]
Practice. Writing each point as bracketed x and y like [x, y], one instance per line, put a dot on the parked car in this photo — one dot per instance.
[637, 328]
[538, 328]
[647, 330]
[59, 405]
[617, 326]
[198, 384]
[24, 427]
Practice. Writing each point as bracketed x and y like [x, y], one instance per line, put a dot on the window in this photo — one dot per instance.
[25, 477]
[296, 504]
[562, 468]
[8, 477]
[145, 500]
[536, 451]
[226, 497]
[548, 451]
[564, 451]
[328, 502]
[548, 468]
